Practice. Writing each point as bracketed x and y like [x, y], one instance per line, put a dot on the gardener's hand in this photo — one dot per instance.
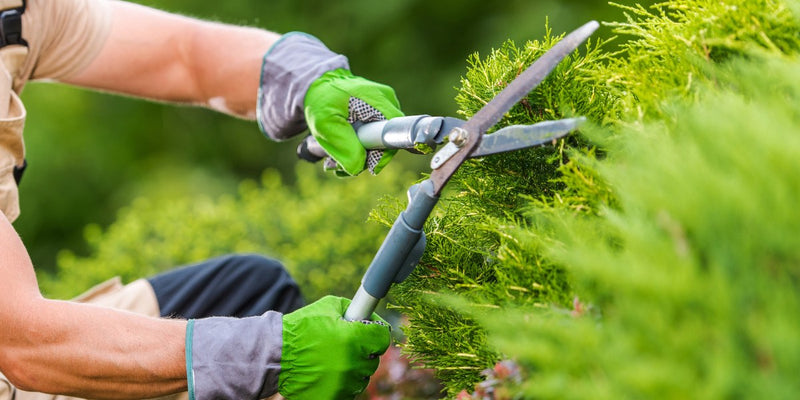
[312, 353]
[330, 120]
[326, 357]
[305, 85]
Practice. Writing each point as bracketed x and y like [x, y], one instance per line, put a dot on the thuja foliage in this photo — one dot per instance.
[317, 227]
[690, 286]
[664, 227]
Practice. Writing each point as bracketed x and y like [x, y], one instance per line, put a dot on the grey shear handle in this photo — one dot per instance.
[399, 253]
[409, 133]
[310, 150]
[402, 132]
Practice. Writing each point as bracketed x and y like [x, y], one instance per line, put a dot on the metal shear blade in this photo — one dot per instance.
[510, 138]
[518, 137]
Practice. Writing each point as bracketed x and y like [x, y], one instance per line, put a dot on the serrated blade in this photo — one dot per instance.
[518, 137]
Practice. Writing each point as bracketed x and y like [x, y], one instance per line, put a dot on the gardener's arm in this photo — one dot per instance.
[167, 57]
[82, 350]
[162, 56]
[93, 352]
[78, 349]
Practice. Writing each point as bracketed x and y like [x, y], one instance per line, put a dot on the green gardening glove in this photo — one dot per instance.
[324, 356]
[334, 102]
[304, 85]
[312, 353]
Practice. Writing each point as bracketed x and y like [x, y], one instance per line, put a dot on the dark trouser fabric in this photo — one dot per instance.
[229, 286]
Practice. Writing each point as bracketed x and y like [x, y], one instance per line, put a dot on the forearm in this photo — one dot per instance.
[70, 348]
[167, 57]
[89, 351]
[229, 82]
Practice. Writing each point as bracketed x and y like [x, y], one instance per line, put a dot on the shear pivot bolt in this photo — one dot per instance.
[458, 136]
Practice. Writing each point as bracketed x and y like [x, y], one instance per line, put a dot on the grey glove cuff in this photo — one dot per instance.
[290, 66]
[231, 358]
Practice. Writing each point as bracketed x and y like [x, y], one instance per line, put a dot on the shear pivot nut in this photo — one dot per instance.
[458, 136]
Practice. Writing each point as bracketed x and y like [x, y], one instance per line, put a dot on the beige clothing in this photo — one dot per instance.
[63, 37]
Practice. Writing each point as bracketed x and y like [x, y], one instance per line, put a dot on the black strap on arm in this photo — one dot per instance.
[11, 26]
[19, 170]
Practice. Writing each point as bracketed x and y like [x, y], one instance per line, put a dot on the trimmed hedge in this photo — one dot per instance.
[647, 256]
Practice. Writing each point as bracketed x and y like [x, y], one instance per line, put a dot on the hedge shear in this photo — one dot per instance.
[405, 243]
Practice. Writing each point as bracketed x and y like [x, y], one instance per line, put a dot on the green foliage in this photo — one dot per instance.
[472, 248]
[674, 43]
[90, 153]
[540, 230]
[691, 287]
[563, 92]
[317, 228]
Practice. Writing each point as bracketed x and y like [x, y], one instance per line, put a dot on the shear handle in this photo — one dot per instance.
[415, 133]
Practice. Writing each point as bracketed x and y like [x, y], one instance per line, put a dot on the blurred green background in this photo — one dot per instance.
[90, 153]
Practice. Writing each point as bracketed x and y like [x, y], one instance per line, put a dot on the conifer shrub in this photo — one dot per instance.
[317, 227]
[688, 287]
[657, 243]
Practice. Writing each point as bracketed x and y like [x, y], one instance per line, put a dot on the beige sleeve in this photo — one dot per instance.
[63, 36]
